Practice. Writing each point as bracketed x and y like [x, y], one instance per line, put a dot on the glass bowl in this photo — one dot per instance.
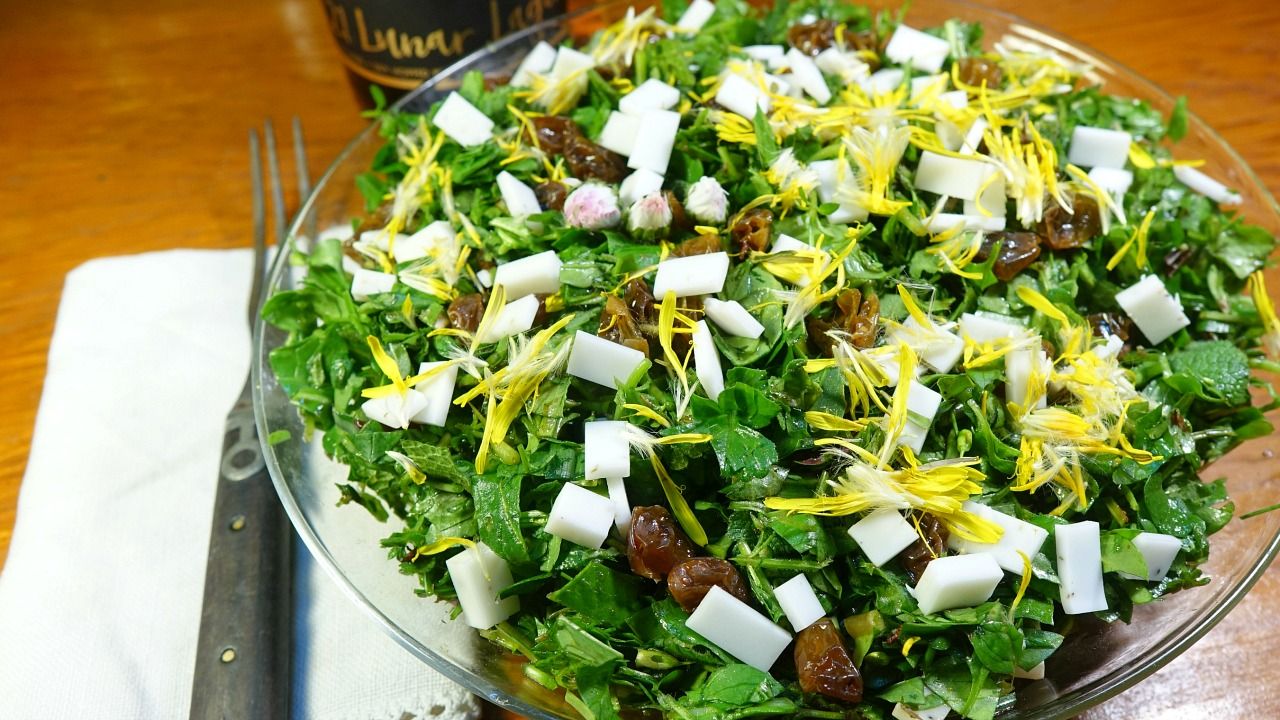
[1091, 666]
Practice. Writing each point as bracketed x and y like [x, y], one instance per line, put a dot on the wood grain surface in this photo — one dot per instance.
[123, 126]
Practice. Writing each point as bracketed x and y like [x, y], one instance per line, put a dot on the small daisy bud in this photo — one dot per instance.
[707, 202]
[650, 217]
[592, 207]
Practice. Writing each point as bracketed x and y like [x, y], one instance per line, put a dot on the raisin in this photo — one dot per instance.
[553, 133]
[617, 325]
[1017, 251]
[655, 544]
[551, 195]
[589, 161]
[823, 664]
[691, 580]
[932, 544]
[465, 312]
[977, 70]
[1064, 230]
[640, 301]
[812, 38]
[753, 231]
[1176, 258]
[855, 315]
[679, 218]
[700, 245]
[1111, 323]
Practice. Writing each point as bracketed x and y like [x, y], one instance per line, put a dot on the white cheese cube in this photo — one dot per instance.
[530, 275]
[973, 137]
[799, 603]
[984, 327]
[1018, 536]
[1114, 181]
[601, 361]
[1158, 550]
[1019, 365]
[808, 76]
[883, 81]
[886, 356]
[1156, 313]
[637, 185]
[786, 243]
[514, 318]
[922, 403]
[846, 66]
[1079, 567]
[653, 94]
[938, 223]
[695, 16]
[736, 628]
[605, 450]
[771, 55]
[370, 282]
[435, 236]
[921, 51]
[621, 507]
[485, 277]
[731, 317]
[619, 133]
[654, 141]
[913, 436]
[940, 350]
[693, 275]
[1098, 147]
[739, 95]
[462, 121]
[570, 61]
[1206, 185]
[1035, 673]
[882, 535]
[520, 199]
[957, 581]
[828, 172]
[1110, 348]
[580, 516]
[706, 361]
[478, 575]
[954, 177]
[395, 410]
[955, 98]
[438, 390]
[991, 203]
[902, 712]
[538, 61]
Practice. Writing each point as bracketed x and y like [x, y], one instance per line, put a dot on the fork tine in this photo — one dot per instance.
[304, 175]
[277, 189]
[259, 224]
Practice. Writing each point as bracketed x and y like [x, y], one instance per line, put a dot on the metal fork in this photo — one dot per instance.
[243, 655]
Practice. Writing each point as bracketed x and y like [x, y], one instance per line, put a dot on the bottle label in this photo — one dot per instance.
[401, 43]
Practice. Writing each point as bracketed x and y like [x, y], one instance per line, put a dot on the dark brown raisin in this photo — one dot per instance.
[640, 301]
[823, 664]
[1017, 251]
[752, 232]
[679, 218]
[977, 70]
[816, 329]
[859, 316]
[655, 544]
[551, 195]
[812, 38]
[553, 133]
[1064, 230]
[933, 544]
[691, 580]
[617, 325]
[700, 245]
[589, 161]
[1111, 323]
[465, 312]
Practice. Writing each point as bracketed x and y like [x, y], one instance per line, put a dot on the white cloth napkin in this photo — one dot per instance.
[101, 593]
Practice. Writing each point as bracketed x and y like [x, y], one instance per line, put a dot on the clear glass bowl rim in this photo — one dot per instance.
[1065, 706]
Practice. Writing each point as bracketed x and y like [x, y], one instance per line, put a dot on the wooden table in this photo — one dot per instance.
[122, 130]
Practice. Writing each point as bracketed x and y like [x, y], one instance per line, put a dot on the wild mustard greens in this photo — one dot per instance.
[950, 331]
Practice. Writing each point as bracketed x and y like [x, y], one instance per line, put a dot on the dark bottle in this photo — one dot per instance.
[398, 44]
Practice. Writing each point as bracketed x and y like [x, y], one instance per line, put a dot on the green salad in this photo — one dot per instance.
[792, 362]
